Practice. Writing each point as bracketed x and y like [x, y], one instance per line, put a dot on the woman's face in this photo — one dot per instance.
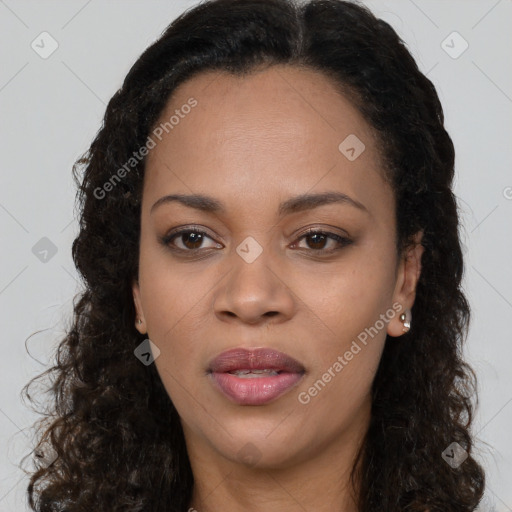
[263, 151]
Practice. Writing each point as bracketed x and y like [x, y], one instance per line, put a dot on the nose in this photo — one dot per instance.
[255, 292]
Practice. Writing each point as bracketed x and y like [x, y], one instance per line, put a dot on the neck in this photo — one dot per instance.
[319, 482]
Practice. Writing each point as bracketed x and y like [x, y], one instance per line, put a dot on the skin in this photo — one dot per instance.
[252, 143]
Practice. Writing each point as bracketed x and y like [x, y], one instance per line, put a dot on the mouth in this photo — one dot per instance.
[256, 376]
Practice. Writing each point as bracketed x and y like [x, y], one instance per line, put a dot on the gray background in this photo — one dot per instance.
[51, 108]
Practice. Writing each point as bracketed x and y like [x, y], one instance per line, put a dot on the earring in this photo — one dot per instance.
[139, 321]
[405, 318]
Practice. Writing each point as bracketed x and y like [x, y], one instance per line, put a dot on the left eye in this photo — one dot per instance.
[318, 240]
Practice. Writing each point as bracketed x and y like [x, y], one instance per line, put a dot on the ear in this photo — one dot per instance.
[141, 327]
[409, 270]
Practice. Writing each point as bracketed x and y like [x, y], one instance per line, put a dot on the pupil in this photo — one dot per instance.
[194, 239]
[317, 237]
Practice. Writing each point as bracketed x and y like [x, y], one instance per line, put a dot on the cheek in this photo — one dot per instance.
[351, 311]
[346, 298]
[169, 290]
[173, 296]
[174, 324]
[347, 349]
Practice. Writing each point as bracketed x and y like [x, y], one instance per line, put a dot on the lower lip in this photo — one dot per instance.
[255, 390]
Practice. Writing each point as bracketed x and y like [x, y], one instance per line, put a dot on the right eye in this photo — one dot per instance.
[190, 240]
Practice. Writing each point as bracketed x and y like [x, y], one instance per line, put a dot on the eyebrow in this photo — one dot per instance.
[293, 205]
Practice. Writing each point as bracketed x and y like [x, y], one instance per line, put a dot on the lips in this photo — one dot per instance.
[256, 359]
[256, 376]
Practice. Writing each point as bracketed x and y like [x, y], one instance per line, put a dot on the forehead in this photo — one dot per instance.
[267, 135]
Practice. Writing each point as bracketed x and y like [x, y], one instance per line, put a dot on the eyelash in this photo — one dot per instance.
[341, 240]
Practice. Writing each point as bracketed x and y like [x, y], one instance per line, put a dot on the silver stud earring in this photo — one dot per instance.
[405, 318]
[139, 321]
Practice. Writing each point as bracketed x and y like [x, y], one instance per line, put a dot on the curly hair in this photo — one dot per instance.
[116, 436]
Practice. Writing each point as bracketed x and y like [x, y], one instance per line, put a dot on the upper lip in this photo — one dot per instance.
[254, 359]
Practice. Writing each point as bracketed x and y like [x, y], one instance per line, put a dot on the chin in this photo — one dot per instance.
[262, 443]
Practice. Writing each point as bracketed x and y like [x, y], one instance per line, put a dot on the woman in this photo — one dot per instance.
[272, 315]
